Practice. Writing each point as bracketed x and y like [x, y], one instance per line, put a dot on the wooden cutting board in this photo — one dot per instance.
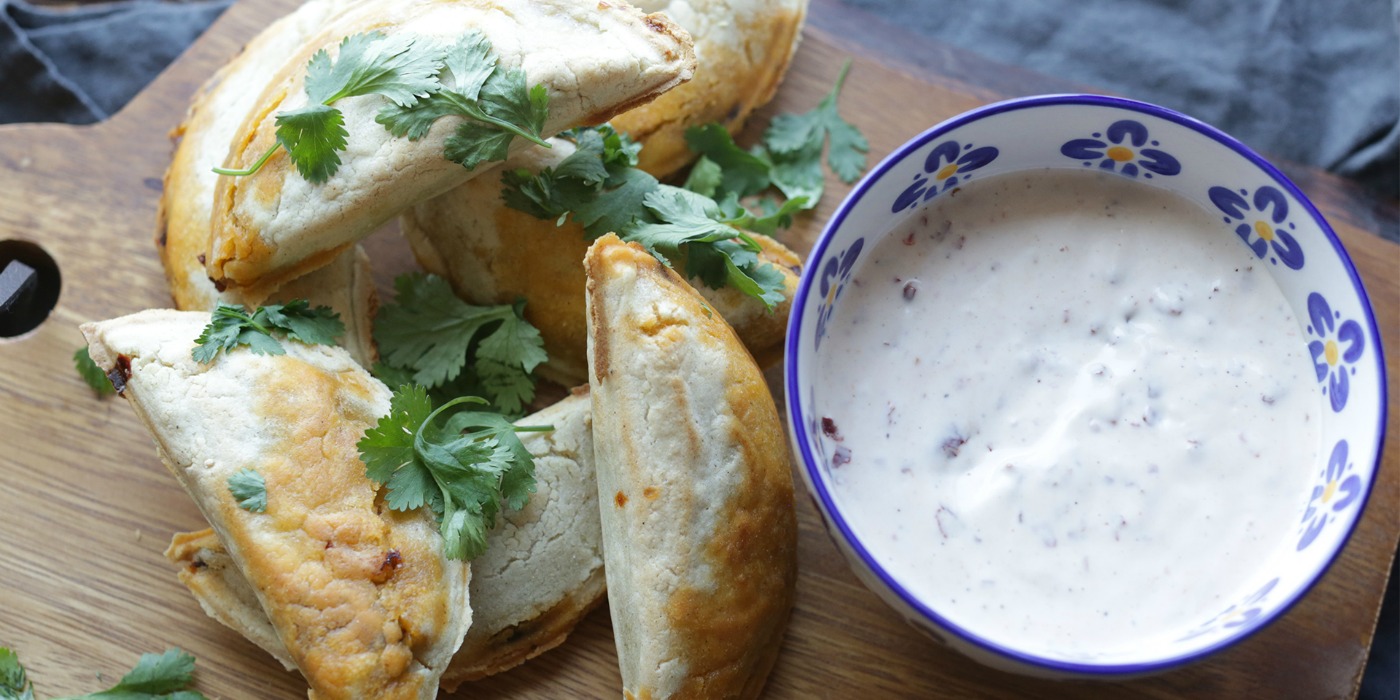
[86, 508]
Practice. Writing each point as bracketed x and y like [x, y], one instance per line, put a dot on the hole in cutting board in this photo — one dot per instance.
[29, 286]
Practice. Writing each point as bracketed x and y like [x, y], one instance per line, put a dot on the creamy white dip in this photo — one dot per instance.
[1070, 411]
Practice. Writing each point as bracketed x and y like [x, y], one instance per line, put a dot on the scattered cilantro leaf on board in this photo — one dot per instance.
[463, 470]
[794, 143]
[231, 326]
[92, 374]
[155, 677]
[430, 337]
[14, 682]
[249, 489]
[395, 67]
[496, 103]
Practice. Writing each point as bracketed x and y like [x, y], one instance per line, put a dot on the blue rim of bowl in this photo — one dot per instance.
[794, 396]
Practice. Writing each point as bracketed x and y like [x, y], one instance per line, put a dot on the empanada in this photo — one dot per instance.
[699, 530]
[187, 198]
[361, 597]
[742, 50]
[595, 59]
[493, 254]
[541, 573]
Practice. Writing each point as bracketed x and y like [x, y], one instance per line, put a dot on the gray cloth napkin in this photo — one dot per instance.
[1313, 81]
[81, 64]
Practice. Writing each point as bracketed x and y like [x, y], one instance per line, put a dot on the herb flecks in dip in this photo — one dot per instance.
[1075, 412]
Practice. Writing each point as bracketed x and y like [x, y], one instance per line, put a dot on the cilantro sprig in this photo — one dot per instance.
[789, 158]
[496, 103]
[600, 186]
[430, 337]
[463, 469]
[231, 326]
[92, 374]
[164, 676]
[395, 67]
[422, 83]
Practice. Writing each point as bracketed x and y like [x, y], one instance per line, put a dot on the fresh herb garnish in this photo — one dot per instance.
[14, 682]
[249, 489]
[155, 677]
[430, 337]
[795, 141]
[92, 374]
[789, 157]
[231, 326]
[497, 105]
[462, 470]
[600, 187]
[368, 64]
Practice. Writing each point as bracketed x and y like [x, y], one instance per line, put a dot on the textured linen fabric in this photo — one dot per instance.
[1310, 81]
[81, 64]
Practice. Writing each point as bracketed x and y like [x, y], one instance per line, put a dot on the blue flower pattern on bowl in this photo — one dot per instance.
[948, 164]
[1335, 351]
[1246, 612]
[1270, 228]
[835, 273]
[1120, 149]
[1337, 491]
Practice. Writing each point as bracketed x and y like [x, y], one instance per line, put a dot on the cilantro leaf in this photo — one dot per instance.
[312, 135]
[715, 251]
[795, 142]
[620, 207]
[318, 326]
[462, 471]
[231, 326]
[430, 337]
[249, 489]
[496, 104]
[14, 682]
[366, 64]
[705, 177]
[741, 172]
[155, 677]
[373, 64]
[91, 373]
[670, 222]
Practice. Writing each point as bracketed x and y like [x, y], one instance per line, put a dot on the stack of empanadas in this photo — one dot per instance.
[359, 597]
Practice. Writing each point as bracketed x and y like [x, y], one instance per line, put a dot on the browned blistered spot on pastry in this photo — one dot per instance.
[620, 499]
[651, 492]
[386, 569]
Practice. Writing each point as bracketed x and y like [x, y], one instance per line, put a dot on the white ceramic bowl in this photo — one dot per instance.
[1160, 148]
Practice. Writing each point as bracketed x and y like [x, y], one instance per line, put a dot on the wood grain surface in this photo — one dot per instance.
[86, 508]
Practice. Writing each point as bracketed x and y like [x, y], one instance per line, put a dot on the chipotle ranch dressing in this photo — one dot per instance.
[1077, 412]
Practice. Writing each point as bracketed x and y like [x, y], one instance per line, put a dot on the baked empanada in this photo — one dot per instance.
[493, 254]
[699, 530]
[742, 50]
[541, 573]
[595, 59]
[187, 198]
[361, 597]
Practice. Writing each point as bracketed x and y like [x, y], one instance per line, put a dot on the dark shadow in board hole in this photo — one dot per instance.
[27, 295]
